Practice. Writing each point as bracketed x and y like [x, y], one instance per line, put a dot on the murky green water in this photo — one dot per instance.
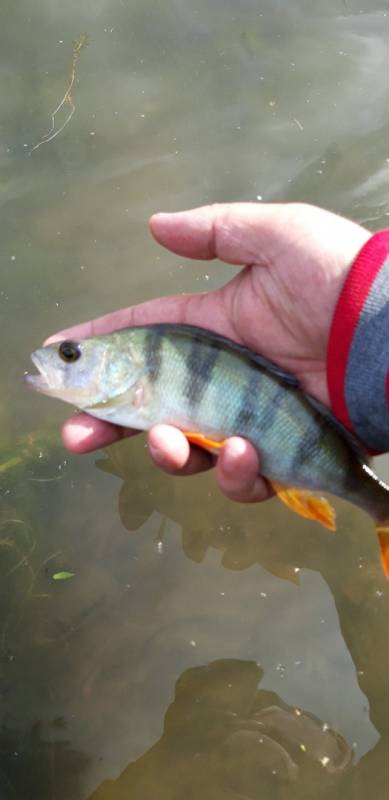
[201, 649]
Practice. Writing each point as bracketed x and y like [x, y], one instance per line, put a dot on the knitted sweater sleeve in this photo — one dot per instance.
[358, 347]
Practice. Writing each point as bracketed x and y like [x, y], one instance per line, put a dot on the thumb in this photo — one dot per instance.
[237, 233]
[261, 233]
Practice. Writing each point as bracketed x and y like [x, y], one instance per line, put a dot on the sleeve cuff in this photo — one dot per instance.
[352, 337]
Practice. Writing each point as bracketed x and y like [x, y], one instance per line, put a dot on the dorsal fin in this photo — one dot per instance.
[226, 343]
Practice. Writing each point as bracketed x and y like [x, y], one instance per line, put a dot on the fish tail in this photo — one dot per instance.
[373, 496]
[383, 538]
[382, 531]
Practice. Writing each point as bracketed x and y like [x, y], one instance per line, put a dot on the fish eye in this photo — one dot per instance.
[69, 351]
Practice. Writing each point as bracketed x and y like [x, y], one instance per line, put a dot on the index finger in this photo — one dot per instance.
[160, 309]
[231, 232]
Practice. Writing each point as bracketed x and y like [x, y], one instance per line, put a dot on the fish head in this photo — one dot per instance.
[87, 372]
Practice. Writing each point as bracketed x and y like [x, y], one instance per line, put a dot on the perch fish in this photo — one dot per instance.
[212, 388]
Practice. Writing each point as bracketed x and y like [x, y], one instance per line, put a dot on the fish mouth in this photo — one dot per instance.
[37, 382]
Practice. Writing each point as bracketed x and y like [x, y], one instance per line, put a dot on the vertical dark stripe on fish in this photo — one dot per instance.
[248, 408]
[153, 353]
[269, 415]
[311, 441]
[200, 363]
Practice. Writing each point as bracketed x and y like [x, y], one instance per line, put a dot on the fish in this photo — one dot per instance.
[212, 388]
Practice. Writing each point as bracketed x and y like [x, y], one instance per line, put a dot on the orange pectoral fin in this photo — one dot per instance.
[307, 505]
[383, 538]
[202, 441]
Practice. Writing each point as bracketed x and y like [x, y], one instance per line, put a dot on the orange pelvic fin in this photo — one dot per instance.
[383, 538]
[307, 505]
[202, 441]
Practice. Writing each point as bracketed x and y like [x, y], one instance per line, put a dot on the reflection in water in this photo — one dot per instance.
[211, 526]
[104, 650]
[244, 542]
[52, 765]
[284, 546]
[224, 737]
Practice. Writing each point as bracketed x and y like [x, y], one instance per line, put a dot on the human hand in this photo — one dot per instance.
[295, 260]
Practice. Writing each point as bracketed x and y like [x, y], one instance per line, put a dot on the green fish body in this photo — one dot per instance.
[203, 383]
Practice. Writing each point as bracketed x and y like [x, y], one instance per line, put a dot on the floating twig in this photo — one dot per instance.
[67, 100]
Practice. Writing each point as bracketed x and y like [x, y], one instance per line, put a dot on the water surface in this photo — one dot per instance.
[201, 649]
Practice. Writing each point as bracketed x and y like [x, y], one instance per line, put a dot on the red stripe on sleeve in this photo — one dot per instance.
[345, 320]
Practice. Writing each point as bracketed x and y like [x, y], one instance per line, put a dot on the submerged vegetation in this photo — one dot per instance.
[27, 450]
[35, 458]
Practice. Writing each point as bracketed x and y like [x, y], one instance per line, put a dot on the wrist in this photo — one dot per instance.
[358, 346]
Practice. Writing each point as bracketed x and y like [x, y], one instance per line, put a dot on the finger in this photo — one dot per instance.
[231, 232]
[171, 451]
[161, 309]
[193, 309]
[83, 433]
[238, 472]
[238, 233]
